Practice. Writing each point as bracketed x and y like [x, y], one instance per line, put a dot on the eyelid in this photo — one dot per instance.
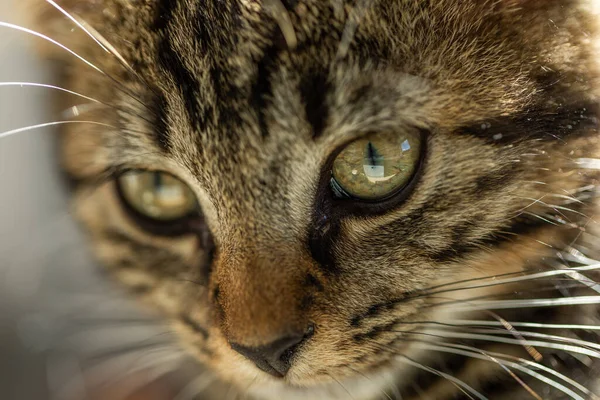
[184, 225]
[346, 207]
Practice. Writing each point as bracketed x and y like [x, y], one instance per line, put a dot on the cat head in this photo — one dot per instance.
[288, 182]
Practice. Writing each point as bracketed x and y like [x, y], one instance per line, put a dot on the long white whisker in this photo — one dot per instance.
[48, 124]
[97, 37]
[530, 303]
[34, 33]
[532, 364]
[528, 277]
[525, 334]
[536, 343]
[504, 357]
[448, 349]
[43, 85]
[465, 322]
[76, 22]
[462, 386]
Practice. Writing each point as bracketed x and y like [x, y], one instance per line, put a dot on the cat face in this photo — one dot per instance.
[289, 182]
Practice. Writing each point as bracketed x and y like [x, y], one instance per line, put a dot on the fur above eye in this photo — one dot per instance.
[376, 166]
[157, 195]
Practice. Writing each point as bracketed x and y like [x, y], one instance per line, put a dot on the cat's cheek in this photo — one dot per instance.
[125, 248]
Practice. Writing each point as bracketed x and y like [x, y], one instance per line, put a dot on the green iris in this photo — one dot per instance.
[376, 166]
[157, 195]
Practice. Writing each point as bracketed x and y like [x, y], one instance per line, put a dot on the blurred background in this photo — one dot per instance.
[55, 307]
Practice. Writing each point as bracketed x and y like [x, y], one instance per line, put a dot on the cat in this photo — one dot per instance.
[378, 199]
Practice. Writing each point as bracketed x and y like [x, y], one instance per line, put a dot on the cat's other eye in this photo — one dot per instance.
[377, 166]
[157, 195]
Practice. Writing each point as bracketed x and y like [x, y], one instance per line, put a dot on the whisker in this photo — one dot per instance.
[195, 387]
[462, 386]
[34, 33]
[357, 372]
[588, 163]
[76, 22]
[523, 278]
[49, 124]
[87, 62]
[557, 338]
[537, 343]
[529, 303]
[461, 323]
[503, 360]
[341, 385]
[159, 366]
[78, 110]
[106, 46]
[542, 378]
[101, 41]
[74, 112]
[534, 365]
[526, 345]
[43, 85]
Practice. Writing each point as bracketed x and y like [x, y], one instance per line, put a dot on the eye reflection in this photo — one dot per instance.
[376, 166]
[157, 195]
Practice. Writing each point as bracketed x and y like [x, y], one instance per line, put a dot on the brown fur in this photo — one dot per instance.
[506, 91]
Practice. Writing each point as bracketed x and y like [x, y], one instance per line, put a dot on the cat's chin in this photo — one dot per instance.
[361, 386]
[301, 382]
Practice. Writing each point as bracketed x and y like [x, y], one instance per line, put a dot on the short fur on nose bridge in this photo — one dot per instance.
[275, 358]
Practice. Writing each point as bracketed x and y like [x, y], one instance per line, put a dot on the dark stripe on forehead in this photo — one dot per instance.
[212, 24]
[261, 89]
[171, 63]
[313, 89]
[161, 126]
[545, 124]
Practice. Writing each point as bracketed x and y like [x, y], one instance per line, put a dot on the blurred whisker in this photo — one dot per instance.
[195, 387]
[462, 386]
[49, 124]
[383, 392]
[588, 163]
[340, 384]
[48, 86]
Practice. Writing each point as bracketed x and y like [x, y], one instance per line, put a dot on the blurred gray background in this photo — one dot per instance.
[48, 282]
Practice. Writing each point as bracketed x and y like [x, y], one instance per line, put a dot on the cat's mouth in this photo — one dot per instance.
[320, 362]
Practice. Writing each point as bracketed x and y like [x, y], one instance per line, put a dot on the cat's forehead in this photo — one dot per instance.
[227, 78]
[229, 69]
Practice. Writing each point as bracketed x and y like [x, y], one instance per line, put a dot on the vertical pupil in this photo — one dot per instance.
[157, 181]
[373, 163]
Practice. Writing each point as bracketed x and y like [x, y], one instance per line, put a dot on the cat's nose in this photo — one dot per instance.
[275, 357]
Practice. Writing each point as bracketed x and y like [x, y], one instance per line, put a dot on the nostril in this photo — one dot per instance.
[275, 357]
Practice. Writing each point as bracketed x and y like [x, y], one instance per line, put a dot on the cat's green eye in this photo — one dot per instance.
[157, 195]
[376, 166]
